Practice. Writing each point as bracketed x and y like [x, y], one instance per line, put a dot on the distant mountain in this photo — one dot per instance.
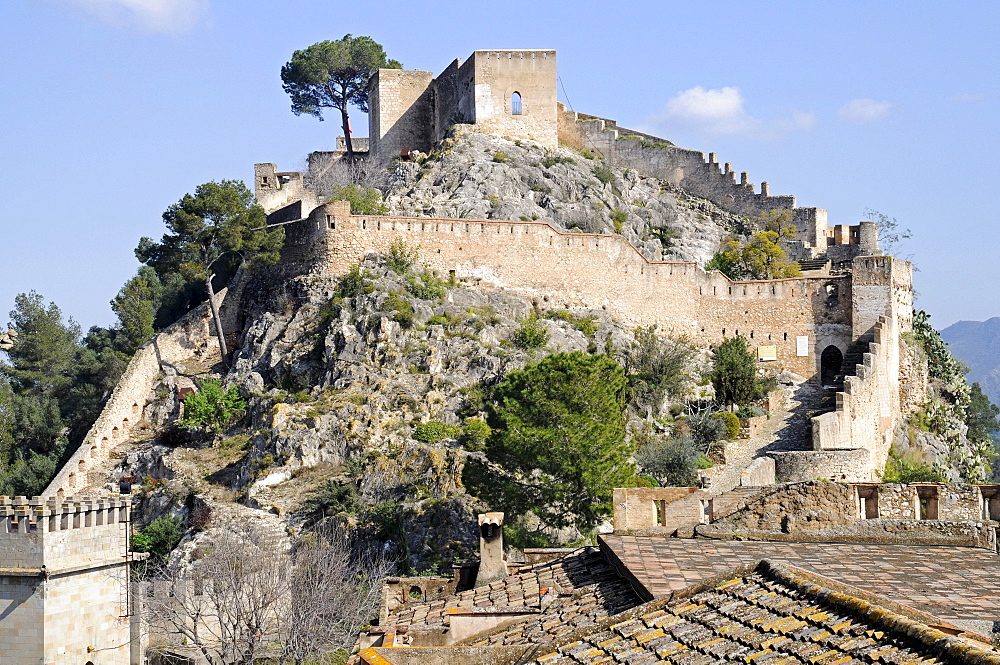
[977, 344]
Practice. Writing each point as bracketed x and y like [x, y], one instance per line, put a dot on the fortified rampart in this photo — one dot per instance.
[800, 316]
[191, 335]
[64, 581]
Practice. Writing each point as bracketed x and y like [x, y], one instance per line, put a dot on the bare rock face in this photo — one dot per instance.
[339, 385]
[481, 176]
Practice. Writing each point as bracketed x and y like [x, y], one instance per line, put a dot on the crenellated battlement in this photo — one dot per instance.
[20, 515]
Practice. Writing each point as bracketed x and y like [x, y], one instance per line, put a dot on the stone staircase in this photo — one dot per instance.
[820, 263]
[855, 356]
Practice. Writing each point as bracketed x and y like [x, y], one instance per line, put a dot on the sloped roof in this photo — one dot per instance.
[573, 591]
[957, 584]
[771, 614]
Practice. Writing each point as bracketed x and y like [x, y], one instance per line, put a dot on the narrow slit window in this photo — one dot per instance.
[515, 104]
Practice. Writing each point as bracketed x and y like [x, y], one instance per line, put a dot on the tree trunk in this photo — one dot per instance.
[218, 321]
[347, 134]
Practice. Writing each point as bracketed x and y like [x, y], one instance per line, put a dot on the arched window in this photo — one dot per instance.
[515, 104]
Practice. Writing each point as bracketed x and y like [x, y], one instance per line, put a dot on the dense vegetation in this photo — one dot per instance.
[558, 446]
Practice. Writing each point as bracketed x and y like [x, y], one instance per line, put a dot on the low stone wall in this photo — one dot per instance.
[657, 510]
[124, 408]
[803, 465]
[827, 511]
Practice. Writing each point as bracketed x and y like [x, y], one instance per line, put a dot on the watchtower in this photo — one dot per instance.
[510, 93]
[64, 589]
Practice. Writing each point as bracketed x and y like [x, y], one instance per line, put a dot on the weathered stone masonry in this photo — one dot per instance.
[63, 581]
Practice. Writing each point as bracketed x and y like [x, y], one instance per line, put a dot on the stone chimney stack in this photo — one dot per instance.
[491, 563]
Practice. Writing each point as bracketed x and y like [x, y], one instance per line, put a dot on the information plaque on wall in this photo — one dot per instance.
[802, 346]
[765, 353]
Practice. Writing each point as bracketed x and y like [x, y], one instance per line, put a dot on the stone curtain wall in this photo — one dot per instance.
[125, 406]
[688, 169]
[868, 408]
[594, 271]
[62, 577]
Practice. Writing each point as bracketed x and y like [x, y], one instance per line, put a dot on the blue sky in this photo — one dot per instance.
[113, 109]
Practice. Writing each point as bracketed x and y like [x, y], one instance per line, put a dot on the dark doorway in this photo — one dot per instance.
[830, 364]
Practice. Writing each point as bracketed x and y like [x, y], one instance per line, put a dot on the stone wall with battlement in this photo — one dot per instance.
[187, 337]
[690, 170]
[594, 271]
[868, 409]
[63, 581]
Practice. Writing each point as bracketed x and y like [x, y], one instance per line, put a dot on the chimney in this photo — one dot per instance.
[491, 564]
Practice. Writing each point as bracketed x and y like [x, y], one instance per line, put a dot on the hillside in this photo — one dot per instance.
[977, 344]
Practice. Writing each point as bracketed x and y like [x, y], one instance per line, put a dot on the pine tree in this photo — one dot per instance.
[559, 431]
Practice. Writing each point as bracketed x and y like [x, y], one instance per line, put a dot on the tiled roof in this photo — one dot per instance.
[953, 583]
[771, 614]
[571, 592]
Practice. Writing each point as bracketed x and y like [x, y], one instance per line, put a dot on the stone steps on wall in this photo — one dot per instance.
[855, 356]
[819, 263]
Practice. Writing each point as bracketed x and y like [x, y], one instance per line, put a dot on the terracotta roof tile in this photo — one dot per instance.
[953, 583]
[773, 615]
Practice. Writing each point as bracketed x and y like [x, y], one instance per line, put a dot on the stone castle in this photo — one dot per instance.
[58, 552]
[820, 326]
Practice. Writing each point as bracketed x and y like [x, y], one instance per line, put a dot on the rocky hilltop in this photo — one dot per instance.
[365, 391]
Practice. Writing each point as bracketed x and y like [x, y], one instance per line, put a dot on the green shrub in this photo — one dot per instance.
[401, 256]
[586, 154]
[212, 407]
[734, 373]
[364, 200]
[355, 282]
[532, 334]
[730, 422]
[671, 460]
[706, 430]
[603, 173]
[646, 480]
[434, 430]
[427, 286]
[402, 310]
[474, 434]
[552, 160]
[331, 498]
[909, 467]
[500, 157]
[159, 538]
[618, 218]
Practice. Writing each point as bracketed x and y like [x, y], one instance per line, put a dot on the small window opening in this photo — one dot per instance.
[515, 104]
[868, 502]
[927, 498]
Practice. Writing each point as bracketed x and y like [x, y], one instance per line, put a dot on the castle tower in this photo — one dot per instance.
[511, 93]
[63, 577]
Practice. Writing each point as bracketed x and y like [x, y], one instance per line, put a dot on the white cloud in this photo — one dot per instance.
[863, 110]
[722, 111]
[170, 16]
